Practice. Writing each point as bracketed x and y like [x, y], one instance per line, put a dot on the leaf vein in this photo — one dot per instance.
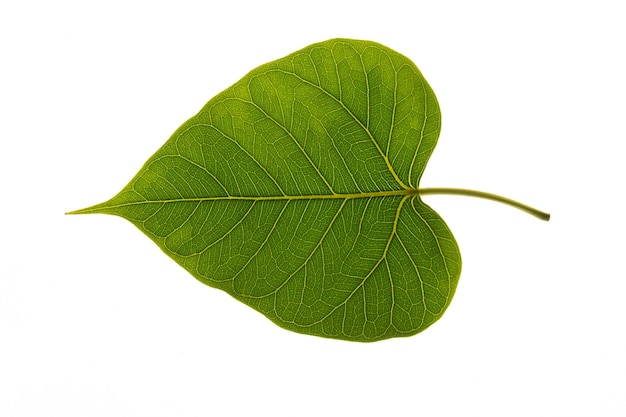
[356, 119]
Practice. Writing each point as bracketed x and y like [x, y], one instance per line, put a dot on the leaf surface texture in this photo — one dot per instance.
[295, 191]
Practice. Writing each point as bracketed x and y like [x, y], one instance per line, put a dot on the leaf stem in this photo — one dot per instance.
[481, 194]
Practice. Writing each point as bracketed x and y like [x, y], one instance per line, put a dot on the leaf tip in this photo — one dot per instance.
[88, 210]
[81, 211]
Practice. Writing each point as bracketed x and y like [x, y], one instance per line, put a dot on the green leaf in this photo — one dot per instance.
[296, 191]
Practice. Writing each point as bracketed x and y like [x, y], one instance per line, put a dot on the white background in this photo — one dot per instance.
[96, 321]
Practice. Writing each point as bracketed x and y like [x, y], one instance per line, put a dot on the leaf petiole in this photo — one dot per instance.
[481, 194]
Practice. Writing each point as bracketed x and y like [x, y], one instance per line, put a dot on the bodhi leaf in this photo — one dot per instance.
[296, 191]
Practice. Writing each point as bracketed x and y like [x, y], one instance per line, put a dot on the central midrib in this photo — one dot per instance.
[376, 194]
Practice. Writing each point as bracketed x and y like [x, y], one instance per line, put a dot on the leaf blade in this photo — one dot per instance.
[294, 191]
